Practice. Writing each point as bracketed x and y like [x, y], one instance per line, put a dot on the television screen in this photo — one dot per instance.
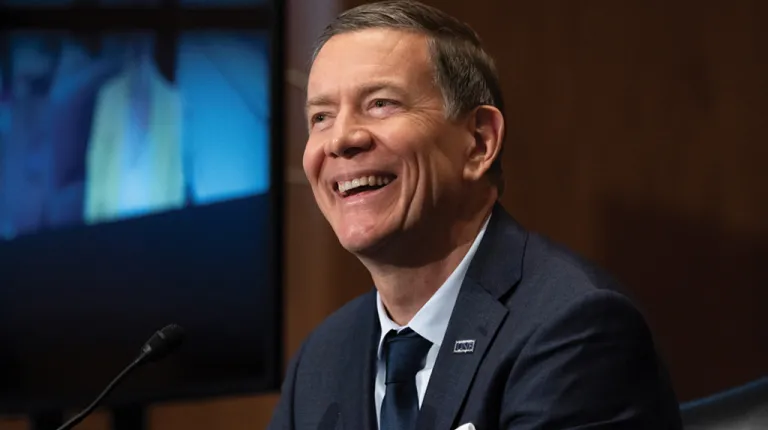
[133, 3]
[136, 190]
[96, 131]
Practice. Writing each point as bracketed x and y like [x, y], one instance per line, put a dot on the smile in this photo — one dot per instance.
[362, 184]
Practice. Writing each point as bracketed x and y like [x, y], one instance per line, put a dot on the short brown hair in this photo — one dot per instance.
[464, 72]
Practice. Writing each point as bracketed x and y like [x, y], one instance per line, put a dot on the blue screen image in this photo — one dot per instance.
[97, 129]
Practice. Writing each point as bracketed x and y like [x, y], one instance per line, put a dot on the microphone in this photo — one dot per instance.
[162, 343]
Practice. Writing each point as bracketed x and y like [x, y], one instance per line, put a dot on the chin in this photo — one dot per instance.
[359, 244]
[361, 240]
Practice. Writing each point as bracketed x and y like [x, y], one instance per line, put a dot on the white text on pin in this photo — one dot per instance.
[464, 346]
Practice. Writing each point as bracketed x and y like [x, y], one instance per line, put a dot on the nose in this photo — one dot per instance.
[349, 141]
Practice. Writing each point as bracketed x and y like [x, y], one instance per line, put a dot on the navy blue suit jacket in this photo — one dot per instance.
[556, 347]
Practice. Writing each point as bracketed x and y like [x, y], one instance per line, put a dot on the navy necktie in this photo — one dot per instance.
[404, 352]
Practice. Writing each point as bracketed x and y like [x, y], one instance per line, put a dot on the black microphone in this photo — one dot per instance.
[162, 343]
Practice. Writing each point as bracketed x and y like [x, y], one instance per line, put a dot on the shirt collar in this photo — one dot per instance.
[431, 321]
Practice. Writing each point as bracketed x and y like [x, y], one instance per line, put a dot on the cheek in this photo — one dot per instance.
[312, 160]
[453, 149]
[444, 163]
[405, 141]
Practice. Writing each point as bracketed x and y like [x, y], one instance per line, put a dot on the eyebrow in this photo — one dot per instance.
[363, 91]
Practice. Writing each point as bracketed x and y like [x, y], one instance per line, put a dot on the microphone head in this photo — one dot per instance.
[162, 343]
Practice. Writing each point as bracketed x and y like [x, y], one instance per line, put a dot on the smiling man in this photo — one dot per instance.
[473, 320]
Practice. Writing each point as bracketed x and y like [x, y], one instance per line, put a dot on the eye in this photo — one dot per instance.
[318, 117]
[382, 103]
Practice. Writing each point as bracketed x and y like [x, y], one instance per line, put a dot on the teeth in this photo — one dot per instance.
[361, 182]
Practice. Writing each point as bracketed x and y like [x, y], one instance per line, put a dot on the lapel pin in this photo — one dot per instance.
[464, 346]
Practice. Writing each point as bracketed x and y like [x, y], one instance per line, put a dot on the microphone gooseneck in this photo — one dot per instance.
[160, 345]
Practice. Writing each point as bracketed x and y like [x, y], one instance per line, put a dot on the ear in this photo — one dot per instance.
[487, 127]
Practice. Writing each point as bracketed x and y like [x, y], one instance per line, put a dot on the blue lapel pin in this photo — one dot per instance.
[464, 346]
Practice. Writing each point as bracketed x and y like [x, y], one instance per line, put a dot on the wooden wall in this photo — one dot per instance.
[637, 137]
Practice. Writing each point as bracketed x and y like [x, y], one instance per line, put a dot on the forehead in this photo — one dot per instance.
[355, 59]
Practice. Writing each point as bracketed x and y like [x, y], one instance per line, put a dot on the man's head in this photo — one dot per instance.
[405, 117]
[34, 58]
[140, 48]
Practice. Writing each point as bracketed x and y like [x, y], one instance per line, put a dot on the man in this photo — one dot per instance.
[134, 162]
[25, 173]
[473, 321]
[81, 73]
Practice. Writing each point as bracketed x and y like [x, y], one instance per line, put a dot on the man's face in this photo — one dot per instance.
[381, 157]
[33, 68]
[140, 48]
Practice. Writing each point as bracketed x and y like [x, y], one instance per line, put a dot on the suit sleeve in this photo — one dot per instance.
[282, 418]
[594, 366]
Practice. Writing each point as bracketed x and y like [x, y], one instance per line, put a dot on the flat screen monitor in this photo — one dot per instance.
[139, 186]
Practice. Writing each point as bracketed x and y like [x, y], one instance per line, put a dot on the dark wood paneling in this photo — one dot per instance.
[636, 137]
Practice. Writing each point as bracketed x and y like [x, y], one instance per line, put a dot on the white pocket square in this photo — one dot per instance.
[468, 426]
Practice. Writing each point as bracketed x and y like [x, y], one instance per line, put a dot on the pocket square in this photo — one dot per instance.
[468, 426]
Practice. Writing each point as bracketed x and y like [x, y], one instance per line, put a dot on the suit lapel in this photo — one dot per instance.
[477, 316]
[357, 375]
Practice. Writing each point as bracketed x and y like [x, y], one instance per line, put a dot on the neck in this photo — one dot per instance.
[141, 70]
[406, 284]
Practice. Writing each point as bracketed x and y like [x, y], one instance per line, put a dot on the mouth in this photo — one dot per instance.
[363, 184]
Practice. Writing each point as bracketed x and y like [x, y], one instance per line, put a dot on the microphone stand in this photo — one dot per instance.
[75, 420]
[162, 343]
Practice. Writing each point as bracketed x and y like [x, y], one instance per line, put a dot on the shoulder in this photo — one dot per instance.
[114, 85]
[553, 262]
[559, 271]
[335, 331]
[570, 325]
[342, 320]
[557, 284]
[105, 99]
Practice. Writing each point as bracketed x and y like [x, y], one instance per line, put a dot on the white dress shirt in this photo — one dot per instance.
[136, 174]
[430, 322]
